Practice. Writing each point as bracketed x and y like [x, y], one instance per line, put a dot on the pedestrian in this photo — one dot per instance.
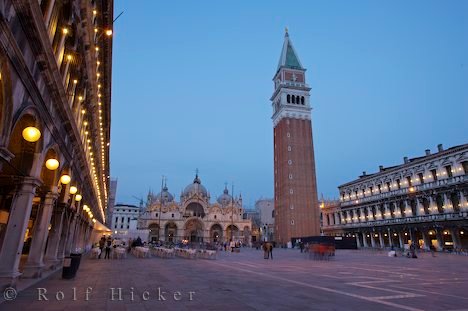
[232, 244]
[432, 248]
[270, 250]
[102, 243]
[301, 246]
[108, 248]
[266, 250]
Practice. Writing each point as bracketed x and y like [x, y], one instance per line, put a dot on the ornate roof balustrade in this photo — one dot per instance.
[414, 189]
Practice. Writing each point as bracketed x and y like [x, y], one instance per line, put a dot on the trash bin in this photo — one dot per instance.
[70, 266]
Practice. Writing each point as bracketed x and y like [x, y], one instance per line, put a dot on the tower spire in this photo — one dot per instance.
[288, 57]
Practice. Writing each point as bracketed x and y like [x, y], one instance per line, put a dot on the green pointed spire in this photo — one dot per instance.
[289, 56]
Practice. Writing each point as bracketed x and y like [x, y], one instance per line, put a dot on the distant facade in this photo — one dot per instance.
[296, 204]
[125, 217]
[266, 211]
[194, 218]
[422, 201]
[111, 203]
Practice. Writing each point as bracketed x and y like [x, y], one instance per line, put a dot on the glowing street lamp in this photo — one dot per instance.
[73, 190]
[65, 179]
[31, 134]
[78, 197]
[52, 164]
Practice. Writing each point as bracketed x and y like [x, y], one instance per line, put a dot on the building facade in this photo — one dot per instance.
[266, 211]
[125, 217]
[111, 202]
[55, 94]
[423, 200]
[296, 204]
[194, 218]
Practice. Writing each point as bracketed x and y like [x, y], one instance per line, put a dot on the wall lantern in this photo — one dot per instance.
[52, 164]
[65, 179]
[31, 134]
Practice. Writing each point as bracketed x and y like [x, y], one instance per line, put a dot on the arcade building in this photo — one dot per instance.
[423, 200]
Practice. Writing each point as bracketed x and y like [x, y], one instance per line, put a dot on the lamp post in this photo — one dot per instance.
[160, 208]
[232, 212]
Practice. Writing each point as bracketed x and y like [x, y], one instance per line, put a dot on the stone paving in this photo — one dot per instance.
[352, 280]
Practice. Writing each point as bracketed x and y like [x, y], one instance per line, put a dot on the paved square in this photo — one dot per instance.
[353, 280]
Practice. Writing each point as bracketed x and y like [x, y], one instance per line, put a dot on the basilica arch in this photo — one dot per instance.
[193, 230]
[153, 235]
[195, 209]
[232, 232]
[216, 233]
[170, 232]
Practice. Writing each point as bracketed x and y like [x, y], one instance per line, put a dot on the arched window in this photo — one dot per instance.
[298, 100]
[302, 100]
[294, 99]
[288, 98]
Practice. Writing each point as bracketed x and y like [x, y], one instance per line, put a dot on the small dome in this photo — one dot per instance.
[166, 196]
[195, 187]
[225, 198]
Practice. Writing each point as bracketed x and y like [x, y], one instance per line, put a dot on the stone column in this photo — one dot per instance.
[408, 210]
[440, 240]
[419, 207]
[12, 246]
[413, 238]
[401, 240]
[372, 240]
[48, 13]
[463, 202]
[71, 235]
[65, 72]
[448, 208]
[455, 238]
[364, 239]
[390, 238]
[432, 205]
[358, 241]
[337, 219]
[59, 55]
[35, 263]
[381, 240]
[369, 213]
[427, 242]
[388, 215]
[54, 236]
[64, 236]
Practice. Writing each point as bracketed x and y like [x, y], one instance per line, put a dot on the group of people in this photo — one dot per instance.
[105, 244]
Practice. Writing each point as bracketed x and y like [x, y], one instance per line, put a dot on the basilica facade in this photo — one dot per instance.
[195, 218]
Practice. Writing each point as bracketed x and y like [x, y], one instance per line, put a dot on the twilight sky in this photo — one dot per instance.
[192, 82]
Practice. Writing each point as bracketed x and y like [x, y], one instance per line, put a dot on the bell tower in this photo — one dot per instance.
[297, 211]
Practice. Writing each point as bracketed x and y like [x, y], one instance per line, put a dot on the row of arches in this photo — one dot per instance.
[194, 231]
[295, 99]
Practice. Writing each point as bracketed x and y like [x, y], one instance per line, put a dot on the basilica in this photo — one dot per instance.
[194, 218]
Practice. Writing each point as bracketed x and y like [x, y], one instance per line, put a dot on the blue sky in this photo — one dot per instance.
[192, 82]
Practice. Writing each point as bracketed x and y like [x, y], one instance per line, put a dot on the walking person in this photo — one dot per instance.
[432, 248]
[266, 250]
[102, 243]
[270, 250]
[108, 248]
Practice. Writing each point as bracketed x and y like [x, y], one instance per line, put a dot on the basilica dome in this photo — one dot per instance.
[166, 196]
[194, 188]
[225, 198]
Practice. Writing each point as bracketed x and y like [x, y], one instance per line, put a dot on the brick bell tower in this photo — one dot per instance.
[296, 205]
